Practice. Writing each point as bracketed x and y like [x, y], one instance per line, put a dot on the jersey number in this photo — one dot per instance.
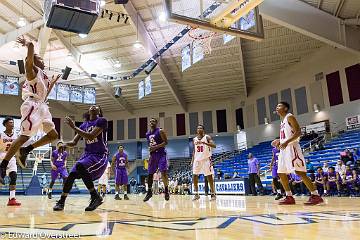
[7, 147]
[200, 148]
[282, 134]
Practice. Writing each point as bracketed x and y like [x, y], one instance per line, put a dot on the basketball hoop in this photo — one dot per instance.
[203, 38]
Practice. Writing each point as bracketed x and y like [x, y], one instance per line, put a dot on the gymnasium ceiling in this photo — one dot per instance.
[219, 76]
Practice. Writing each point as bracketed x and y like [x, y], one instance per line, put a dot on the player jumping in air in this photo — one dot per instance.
[291, 157]
[93, 162]
[6, 139]
[201, 161]
[58, 166]
[120, 163]
[157, 140]
[34, 110]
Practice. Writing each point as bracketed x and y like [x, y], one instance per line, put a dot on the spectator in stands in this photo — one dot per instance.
[254, 175]
[235, 175]
[357, 166]
[325, 167]
[333, 182]
[340, 168]
[351, 159]
[296, 184]
[313, 135]
[309, 167]
[349, 181]
[356, 152]
[320, 181]
[319, 146]
[345, 156]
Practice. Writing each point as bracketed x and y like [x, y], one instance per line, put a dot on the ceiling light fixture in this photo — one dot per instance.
[83, 35]
[21, 22]
[102, 3]
[117, 64]
[137, 43]
[162, 17]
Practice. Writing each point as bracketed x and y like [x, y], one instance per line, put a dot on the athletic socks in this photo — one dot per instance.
[12, 194]
[116, 193]
[315, 193]
[325, 191]
[278, 191]
[288, 193]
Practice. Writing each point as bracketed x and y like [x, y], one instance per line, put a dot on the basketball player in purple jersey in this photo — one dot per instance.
[93, 163]
[120, 163]
[157, 140]
[320, 180]
[274, 168]
[349, 181]
[58, 166]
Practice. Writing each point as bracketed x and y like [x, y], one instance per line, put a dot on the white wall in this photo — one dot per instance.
[326, 60]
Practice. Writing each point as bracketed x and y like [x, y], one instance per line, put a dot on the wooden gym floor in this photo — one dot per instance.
[230, 217]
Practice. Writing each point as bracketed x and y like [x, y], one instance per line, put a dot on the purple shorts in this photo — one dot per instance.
[158, 161]
[61, 172]
[95, 164]
[121, 177]
[274, 171]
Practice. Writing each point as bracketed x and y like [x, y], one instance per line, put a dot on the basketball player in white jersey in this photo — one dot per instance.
[34, 110]
[6, 138]
[291, 158]
[201, 161]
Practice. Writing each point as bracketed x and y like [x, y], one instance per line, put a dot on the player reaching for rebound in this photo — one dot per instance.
[58, 166]
[157, 140]
[6, 138]
[92, 164]
[201, 161]
[291, 157]
[120, 163]
[34, 110]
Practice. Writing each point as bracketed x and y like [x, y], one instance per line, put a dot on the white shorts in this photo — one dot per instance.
[11, 167]
[34, 115]
[104, 179]
[291, 159]
[203, 167]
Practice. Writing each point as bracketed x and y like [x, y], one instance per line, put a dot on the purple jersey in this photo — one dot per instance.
[348, 175]
[295, 177]
[320, 176]
[276, 153]
[154, 138]
[331, 176]
[99, 144]
[59, 158]
[120, 159]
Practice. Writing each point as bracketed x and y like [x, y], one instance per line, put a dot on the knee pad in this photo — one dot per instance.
[13, 177]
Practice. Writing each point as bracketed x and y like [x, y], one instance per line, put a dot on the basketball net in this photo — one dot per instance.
[203, 38]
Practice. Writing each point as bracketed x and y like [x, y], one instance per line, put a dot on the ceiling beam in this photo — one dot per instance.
[12, 35]
[312, 22]
[338, 8]
[243, 77]
[149, 45]
[107, 87]
[43, 41]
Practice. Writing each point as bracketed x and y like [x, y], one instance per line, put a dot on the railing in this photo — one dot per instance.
[308, 146]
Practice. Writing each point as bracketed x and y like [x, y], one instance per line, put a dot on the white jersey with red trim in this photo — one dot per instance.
[5, 143]
[37, 88]
[202, 151]
[286, 131]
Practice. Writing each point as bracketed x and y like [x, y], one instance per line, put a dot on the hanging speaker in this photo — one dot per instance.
[150, 67]
[118, 91]
[21, 66]
[66, 73]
